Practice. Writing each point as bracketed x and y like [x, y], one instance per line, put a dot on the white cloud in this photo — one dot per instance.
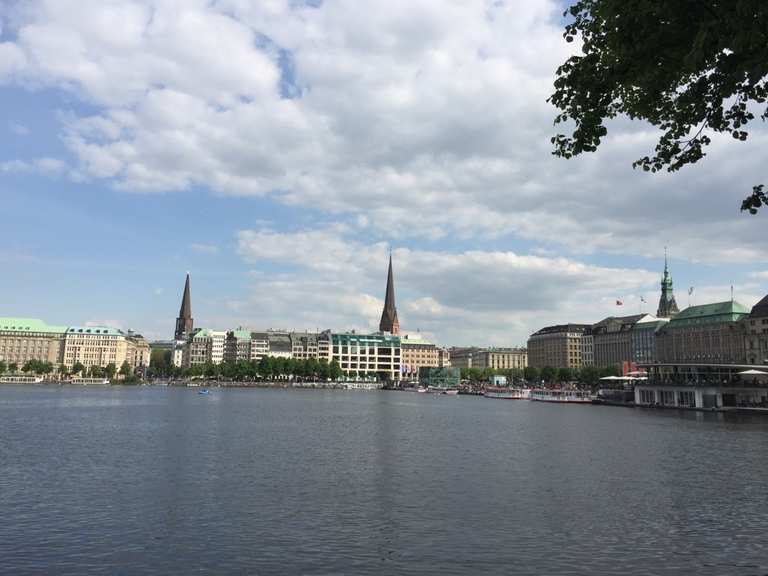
[204, 248]
[493, 297]
[414, 118]
[46, 166]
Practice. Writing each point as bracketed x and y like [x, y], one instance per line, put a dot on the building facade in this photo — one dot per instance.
[205, 346]
[756, 333]
[25, 339]
[643, 339]
[587, 347]
[613, 339]
[102, 345]
[237, 346]
[495, 358]
[368, 355]
[710, 333]
[556, 346]
[416, 353]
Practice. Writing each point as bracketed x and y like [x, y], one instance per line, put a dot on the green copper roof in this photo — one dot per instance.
[728, 311]
[242, 334]
[23, 325]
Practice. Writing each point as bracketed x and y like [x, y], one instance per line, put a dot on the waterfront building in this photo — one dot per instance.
[259, 345]
[25, 339]
[416, 352]
[556, 346]
[612, 338]
[587, 347]
[444, 358]
[365, 355]
[643, 339]
[440, 377]
[389, 322]
[702, 385]
[667, 305]
[280, 344]
[103, 345]
[184, 323]
[205, 346]
[237, 346]
[495, 358]
[304, 345]
[711, 333]
[756, 333]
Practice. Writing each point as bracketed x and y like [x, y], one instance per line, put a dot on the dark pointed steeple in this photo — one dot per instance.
[667, 304]
[184, 321]
[389, 322]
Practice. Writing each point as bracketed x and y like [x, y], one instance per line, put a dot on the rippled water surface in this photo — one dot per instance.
[166, 481]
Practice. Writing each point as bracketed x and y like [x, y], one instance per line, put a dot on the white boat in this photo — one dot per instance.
[563, 396]
[89, 381]
[508, 393]
[17, 379]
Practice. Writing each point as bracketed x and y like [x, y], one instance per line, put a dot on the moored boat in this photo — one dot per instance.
[563, 396]
[508, 393]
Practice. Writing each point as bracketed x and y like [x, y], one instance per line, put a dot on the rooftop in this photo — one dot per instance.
[8, 324]
[728, 311]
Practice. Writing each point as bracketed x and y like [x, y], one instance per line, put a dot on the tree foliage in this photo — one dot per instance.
[688, 67]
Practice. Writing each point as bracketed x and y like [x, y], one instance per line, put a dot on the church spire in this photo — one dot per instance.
[389, 322]
[667, 304]
[184, 322]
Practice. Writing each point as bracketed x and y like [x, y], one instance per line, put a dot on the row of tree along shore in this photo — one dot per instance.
[272, 369]
[588, 376]
[48, 369]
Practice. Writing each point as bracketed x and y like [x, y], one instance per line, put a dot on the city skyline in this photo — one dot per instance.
[282, 190]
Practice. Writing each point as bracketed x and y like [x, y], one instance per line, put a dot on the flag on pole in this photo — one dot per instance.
[619, 303]
[690, 290]
[643, 300]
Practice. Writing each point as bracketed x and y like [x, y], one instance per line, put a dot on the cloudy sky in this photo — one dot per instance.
[279, 149]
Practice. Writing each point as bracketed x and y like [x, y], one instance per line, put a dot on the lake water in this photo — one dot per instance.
[154, 480]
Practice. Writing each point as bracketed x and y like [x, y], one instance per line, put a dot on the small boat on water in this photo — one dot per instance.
[563, 396]
[421, 390]
[204, 392]
[507, 393]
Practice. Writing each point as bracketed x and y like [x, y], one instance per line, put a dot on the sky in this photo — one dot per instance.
[278, 150]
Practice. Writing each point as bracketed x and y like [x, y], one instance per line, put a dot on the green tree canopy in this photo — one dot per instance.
[548, 373]
[125, 369]
[3, 366]
[688, 67]
[531, 374]
[77, 368]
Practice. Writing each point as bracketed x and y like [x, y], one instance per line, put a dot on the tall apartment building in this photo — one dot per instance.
[25, 339]
[368, 355]
[710, 333]
[556, 346]
[756, 333]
